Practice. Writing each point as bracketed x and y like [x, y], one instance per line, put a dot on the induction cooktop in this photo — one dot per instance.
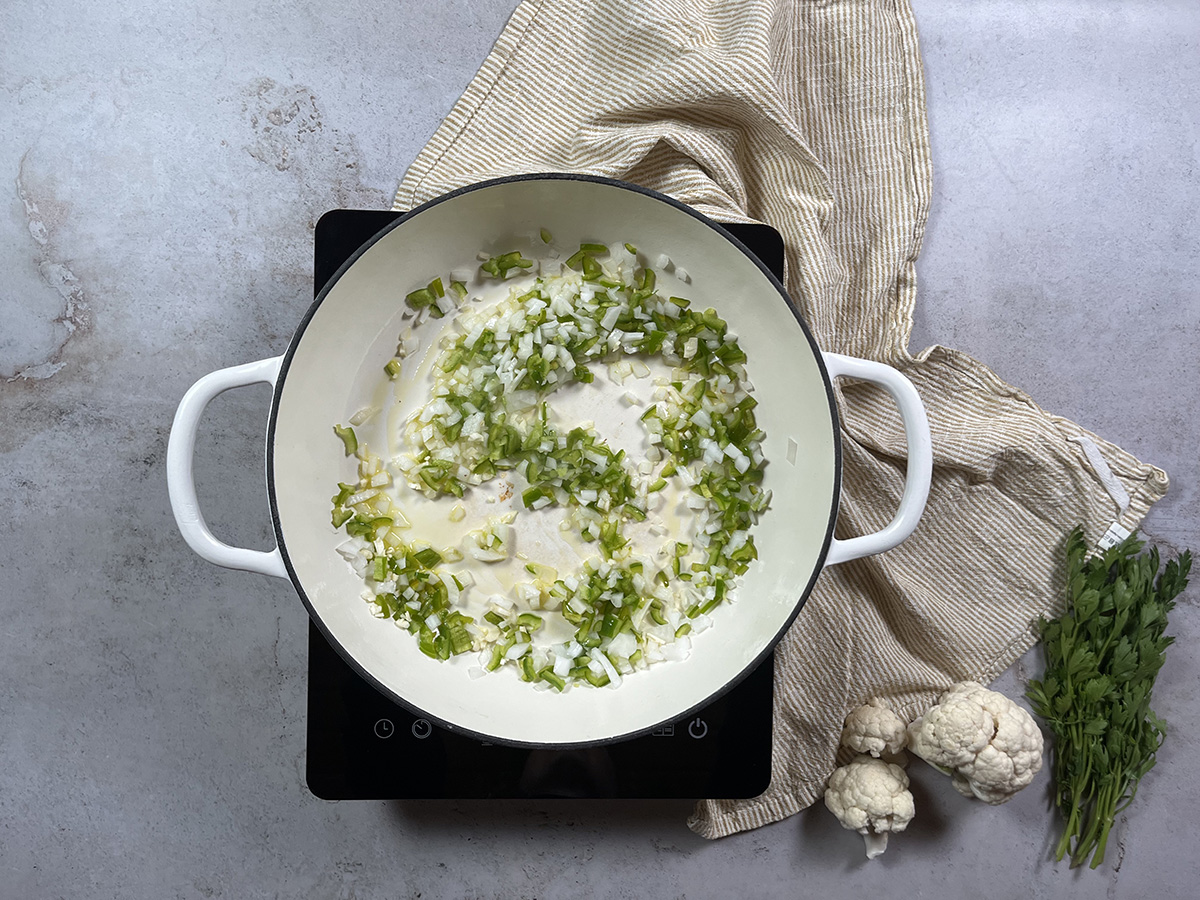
[361, 745]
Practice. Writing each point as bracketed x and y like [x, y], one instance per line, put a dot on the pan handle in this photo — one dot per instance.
[181, 449]
[920, 457]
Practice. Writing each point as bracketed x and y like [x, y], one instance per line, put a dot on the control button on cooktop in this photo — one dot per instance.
[421, 729]
[697, 728]
[384, 728]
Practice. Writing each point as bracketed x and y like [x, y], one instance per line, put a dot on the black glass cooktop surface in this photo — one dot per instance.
[361, 745]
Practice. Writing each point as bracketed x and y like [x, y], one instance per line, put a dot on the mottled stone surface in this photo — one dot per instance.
[165, 167]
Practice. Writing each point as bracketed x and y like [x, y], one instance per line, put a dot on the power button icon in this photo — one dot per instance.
[697, 728]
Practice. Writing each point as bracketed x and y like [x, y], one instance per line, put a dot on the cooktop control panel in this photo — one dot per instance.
[363, 746]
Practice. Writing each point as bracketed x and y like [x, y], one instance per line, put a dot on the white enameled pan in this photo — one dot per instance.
[349, 333]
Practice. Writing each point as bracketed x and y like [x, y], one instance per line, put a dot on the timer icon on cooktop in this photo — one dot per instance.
[421, 729]
[384, 728]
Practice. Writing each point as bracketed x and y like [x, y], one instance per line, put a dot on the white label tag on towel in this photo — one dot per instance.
[1115, 489]
[1115, 535]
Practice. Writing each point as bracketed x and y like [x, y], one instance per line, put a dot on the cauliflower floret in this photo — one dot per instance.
[990, 746]
[870, 796]
[875, 728]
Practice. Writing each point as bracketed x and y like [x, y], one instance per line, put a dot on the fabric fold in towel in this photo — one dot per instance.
[809, 117]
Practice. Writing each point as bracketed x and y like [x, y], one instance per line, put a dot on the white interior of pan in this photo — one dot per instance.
[336, 370]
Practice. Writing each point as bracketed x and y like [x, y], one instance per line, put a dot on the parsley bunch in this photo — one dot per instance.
[1102, 657]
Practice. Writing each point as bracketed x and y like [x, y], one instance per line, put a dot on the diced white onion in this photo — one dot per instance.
[614, 677]
[516, 651]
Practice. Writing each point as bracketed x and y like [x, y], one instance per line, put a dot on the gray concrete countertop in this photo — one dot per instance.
[165, 165]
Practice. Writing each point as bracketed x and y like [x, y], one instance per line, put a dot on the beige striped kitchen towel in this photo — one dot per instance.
[809, 115]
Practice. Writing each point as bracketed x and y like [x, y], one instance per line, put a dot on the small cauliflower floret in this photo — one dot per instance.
[870, 796]
[875, 728]
[988, 745]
